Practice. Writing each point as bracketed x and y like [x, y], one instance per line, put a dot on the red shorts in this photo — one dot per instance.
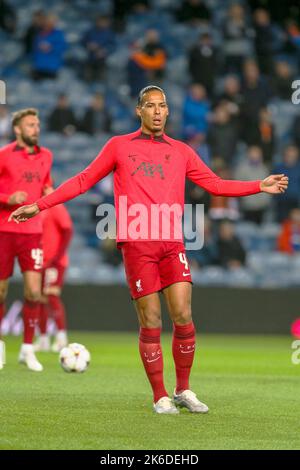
[26, 247]
[152, 266]
[53, 276]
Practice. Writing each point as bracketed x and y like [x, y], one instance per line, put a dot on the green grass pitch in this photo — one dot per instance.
[249, 383]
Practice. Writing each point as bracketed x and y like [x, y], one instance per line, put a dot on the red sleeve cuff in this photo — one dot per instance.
[41, 205]
[258, 186]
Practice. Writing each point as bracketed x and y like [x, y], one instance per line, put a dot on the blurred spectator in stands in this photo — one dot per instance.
[203, 62]
[62, 118]
[96, 119]
[207, 255]
[290, 166]
[279, 11]
[232, 100]
[282, 80]
[262, 134]
[99, 42]
[295, 132]
[237, 38]
[5, 126]
[268, 40]
[256, 95]
[221, 207]
[48, 49]
[36, 25]
[195, 194]
[223, 134]
[253, 168]
[193, 11]
[289, 237]
[232, 96]
[231, 253]
[196, 109]
[293, 39]
[121, 9]
[293, 30]
[198, 142]
[147, 62]
[8, 17]
[136, 74]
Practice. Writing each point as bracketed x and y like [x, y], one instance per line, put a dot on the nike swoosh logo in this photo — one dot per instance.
[186, 274]
[153, 360]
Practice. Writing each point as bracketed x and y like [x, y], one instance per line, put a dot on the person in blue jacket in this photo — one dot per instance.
[48, 50]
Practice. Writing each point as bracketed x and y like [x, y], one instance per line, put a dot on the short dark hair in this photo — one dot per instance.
[19, 115]
[146, 90]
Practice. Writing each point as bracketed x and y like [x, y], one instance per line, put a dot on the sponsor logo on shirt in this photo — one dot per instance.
[150, 170]
[31, 176]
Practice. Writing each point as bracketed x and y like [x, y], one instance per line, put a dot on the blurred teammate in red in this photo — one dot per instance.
[24, 176]
[57, 235]
[150, 169]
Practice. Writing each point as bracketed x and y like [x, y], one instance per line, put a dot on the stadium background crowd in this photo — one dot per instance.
[227, 68]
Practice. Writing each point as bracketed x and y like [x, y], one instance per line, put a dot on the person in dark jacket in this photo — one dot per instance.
[291, 168]
[33, 30]
[8, 19]
[96, 118]
[62, 118]
[99, 42]
[202, 62]
[231, 253]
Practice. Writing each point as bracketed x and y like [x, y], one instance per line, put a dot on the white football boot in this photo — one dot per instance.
[61, 341]
[165, 406]
[188, 399]
[42, 344]
[2, 354]
[28, 357]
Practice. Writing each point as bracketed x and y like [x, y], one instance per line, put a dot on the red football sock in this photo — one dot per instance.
[183, 353]
[2, 309]
[151, 354]
[58, 311]
[31, 312]
[43, 319]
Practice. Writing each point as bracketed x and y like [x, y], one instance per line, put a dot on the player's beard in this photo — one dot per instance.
[30, 141]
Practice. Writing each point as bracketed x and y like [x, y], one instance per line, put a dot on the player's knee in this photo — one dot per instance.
[151, 318]
[182, 314]
[32, 295]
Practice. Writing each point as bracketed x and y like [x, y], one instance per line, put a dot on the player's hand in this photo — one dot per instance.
[274, 184]
[19, 197]
[24, 213]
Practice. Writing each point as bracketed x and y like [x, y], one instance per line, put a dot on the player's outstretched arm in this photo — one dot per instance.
[103, 164]
[274, 184]
[204, 177]
[24, 213]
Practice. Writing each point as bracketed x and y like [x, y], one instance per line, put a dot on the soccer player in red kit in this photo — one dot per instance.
[57, 235]
[24, 175]
[150, 168]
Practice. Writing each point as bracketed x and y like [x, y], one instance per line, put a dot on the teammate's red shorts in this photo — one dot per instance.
[26, 247]
[152, 266]
[53, 276]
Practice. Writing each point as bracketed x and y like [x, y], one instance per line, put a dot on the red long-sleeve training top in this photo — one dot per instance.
[148, 171]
